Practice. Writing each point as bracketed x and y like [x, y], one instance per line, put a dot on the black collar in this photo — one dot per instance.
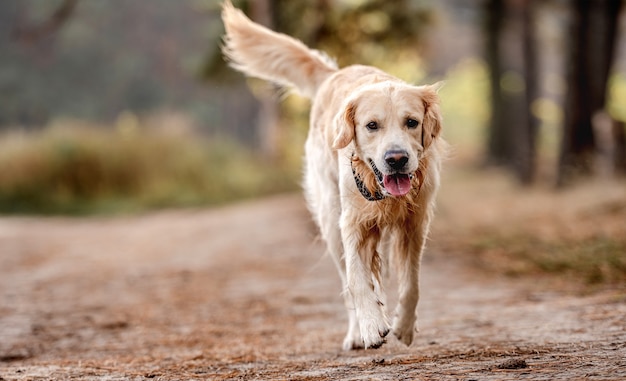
[378, 195]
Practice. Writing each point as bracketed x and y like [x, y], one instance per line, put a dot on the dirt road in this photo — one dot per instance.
[245, 292]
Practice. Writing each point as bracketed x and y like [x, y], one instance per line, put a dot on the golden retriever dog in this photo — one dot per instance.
[372, 166]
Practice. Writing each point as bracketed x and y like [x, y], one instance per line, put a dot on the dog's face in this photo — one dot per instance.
[391, 124]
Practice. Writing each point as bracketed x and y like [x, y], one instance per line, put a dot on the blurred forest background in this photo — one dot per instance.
[113, 107]
[127, 105]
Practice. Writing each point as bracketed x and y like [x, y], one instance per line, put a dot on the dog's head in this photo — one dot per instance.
[392, 125]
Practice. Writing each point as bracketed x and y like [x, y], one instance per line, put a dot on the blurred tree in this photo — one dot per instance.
[29, 34]
[511, 57]
[591, 52]
[356, 31]
[498, 146]
[619, 130]
[95, 59]
[268, 125]
[511, 50]
[528, 149]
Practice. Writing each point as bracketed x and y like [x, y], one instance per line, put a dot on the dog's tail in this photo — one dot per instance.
[260, 52]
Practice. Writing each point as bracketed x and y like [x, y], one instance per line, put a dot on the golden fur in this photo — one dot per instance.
[360, 118]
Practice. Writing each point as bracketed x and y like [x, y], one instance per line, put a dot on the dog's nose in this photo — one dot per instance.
[396, 159]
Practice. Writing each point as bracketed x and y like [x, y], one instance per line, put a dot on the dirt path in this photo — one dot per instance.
[244, 292]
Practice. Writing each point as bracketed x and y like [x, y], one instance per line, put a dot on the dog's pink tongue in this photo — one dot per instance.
[397, 185]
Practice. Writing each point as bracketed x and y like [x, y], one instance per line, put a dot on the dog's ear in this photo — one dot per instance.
[344, 126]
[431, 126]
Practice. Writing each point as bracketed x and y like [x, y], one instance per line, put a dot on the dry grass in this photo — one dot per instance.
[577, 233]
[79, 169]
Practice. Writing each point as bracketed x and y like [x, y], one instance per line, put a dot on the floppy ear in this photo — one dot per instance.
[344, 126]
[431, 126]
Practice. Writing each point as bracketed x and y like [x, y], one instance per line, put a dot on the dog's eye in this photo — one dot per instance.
[412, 123]
[372, 126]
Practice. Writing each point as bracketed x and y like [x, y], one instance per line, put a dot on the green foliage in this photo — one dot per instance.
[80, 170]
[616, 96]
[362, 31]
[465, 104]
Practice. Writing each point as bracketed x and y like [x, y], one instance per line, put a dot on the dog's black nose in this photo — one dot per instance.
[396, 159]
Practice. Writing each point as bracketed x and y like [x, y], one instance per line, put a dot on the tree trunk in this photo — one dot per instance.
[511, 59]
[497, 146]
[269, 115]
[619, 158]
[527, 156]
[591, 53]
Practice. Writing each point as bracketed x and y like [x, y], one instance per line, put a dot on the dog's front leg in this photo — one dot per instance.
[408, 253]
[362, 267]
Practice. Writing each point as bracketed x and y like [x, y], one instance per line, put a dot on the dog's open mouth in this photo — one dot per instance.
[397, 184]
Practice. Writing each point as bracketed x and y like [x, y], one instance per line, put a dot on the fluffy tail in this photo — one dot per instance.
[260, 52]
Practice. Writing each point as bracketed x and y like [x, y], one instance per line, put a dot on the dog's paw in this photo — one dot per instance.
[353, 343]
[353, 338]
[404, 330]
[373, 332]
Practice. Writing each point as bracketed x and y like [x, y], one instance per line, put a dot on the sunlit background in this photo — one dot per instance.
[110, 107]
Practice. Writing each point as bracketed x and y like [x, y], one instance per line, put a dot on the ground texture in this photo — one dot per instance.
[246, 292]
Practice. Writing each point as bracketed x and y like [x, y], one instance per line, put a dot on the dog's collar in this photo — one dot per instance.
[378, 195]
